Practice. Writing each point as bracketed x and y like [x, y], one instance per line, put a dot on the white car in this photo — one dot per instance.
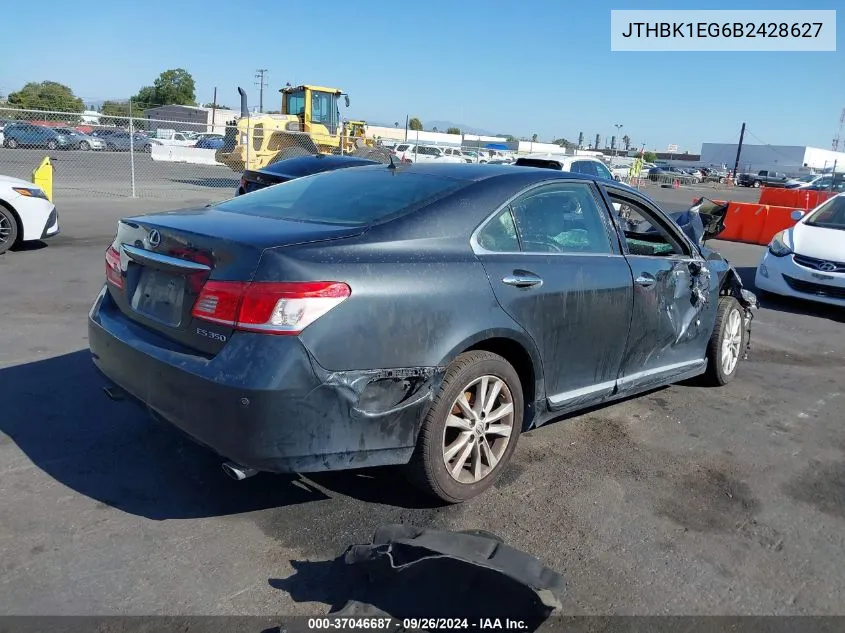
[425, 154]
[457, 153]
[577, 164]
[807, 261]
[25, 213]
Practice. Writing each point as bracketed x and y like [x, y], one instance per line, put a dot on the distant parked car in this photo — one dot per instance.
[29, 135]
[297, 167]
[412, 153]
[577, 164]
[209, 142]
[120, 142]
[82, 141]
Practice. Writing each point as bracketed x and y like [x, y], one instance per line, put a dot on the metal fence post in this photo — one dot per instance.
[132, 149]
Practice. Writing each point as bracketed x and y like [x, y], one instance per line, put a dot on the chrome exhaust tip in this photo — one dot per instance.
[238, 472]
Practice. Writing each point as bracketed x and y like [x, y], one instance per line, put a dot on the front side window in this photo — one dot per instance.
[560, 218]
[644, 233]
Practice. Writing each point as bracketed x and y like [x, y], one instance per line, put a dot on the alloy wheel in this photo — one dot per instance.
[478, 429]
[731, 342]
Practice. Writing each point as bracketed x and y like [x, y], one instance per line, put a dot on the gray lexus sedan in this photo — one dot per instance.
[416, 315]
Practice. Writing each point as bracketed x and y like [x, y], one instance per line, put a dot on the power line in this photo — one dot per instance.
[259, 75]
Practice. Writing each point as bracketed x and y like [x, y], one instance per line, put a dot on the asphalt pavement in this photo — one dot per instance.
[687, 500]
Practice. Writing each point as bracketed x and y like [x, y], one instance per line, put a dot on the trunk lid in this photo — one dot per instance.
[166, 258]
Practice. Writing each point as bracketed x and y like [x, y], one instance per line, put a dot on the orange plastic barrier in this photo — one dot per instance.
[777, 219]
[793, 198]
[744, 222]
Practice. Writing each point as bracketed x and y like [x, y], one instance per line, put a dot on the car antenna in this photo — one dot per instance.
[392, 165]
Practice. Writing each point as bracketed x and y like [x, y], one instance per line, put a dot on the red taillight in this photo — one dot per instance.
[271, 307]
[113, 274]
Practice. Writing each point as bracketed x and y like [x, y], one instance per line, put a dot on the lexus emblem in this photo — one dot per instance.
[155, 238]
[827, 267]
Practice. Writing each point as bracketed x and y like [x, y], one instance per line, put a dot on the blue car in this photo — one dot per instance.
[29, 135]
[210, 142]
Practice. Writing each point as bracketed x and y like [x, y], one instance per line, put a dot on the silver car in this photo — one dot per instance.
[80, 140]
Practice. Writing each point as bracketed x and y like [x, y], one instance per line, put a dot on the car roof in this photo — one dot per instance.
[314, 163]
[476, 172]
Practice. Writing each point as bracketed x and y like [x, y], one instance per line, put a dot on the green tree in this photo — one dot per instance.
[415, 124]
[46, 95]
[510, 138]
[649, 157]
[434, 129]
[534, 138]
[453, 130]
[218, 106]
[626, 141]
[564, 143]
[146, 98]
[175, 87]
[115, 113]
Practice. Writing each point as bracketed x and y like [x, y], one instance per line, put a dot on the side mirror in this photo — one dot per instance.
[797, 214]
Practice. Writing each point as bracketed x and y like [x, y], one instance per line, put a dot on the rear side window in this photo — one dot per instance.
[402, 148]
[585, 167]
[353, 197]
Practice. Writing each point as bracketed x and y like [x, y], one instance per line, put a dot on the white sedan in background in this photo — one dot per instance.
[807, 261]
[25, 213]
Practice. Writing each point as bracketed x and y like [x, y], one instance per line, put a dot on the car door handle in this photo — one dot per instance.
[522, 280]
[645, 281]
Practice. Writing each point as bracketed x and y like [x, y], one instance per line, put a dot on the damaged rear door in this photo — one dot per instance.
[675, 298]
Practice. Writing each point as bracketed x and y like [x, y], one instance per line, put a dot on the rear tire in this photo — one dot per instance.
[462, 449]
[83, 145]
[8, 229]
[11, 143]
[727, 343]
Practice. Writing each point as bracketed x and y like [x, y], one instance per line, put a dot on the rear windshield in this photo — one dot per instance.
[538, 162]
[354, 197]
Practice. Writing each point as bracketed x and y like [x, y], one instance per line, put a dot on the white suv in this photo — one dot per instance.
[457, 153]
[424, 154]
[577, 164]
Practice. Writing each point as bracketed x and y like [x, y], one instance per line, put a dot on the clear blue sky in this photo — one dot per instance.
[536, 66]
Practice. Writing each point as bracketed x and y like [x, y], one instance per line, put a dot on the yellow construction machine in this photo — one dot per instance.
[309, 123]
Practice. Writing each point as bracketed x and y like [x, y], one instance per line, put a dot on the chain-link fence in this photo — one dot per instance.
[156, 158]
[195, 159]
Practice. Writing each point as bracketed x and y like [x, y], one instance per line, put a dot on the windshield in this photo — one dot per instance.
[295, 103]
[352, 197]
[830, 215]
[807, 178]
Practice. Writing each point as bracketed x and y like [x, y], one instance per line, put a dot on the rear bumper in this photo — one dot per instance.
[263, 401]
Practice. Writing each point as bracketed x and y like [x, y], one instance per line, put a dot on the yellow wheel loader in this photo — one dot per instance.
[309, 123]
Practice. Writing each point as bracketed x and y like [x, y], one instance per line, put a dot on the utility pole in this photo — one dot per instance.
[214, 110]
[618, 127]
[259, 75]
[406, 127]
[739, 150]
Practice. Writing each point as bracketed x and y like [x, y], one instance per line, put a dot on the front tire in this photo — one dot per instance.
[8, 229]
[725, 348]
[11, 143]
[471, 429]
[756, 184]
[84, 146]
[51, 145]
